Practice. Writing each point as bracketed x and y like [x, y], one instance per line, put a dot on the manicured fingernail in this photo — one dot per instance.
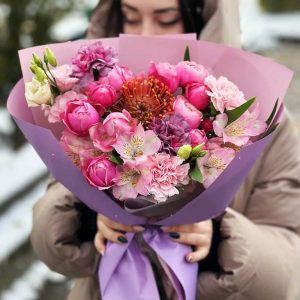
[139, 228]
[102, 252]
[122, 239]
[174, 235]
[189, 258]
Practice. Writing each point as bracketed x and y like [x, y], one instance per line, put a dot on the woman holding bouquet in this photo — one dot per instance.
[252, 251]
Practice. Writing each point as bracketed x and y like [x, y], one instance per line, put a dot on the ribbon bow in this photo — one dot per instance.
[126, 273]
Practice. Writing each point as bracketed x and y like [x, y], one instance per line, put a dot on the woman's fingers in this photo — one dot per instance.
[197, 227]
[117, 226]
[99, 242]
[193, 239]
[198, 255]
[111, 234]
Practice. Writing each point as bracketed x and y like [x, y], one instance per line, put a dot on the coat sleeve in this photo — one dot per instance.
[259, 253]
[54, 237]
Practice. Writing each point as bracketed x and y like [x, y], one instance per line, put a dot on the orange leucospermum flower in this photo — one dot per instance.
[145, 99]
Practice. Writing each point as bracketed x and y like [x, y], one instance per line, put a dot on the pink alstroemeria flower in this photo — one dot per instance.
[140, 143]
[134, 178]
[214, 163]
[239, 131]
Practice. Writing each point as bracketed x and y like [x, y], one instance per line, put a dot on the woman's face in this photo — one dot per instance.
[151, 17]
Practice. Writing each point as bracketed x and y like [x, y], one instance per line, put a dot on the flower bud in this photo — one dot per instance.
[40, 74]
[37, 60]
[184, 152]
[50, 57]
[197, 150]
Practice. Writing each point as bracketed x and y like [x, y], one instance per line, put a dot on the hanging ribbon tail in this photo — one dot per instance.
[183, 275]
[126, 273]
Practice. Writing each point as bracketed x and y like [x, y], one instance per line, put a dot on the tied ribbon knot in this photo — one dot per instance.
[125, 272]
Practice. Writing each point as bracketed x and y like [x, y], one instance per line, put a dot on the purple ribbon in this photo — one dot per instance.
[126, 273]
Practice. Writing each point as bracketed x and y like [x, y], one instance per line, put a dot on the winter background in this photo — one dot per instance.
[23, 276]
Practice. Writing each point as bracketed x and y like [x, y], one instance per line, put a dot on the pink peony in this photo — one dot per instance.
[102, 94]
[80, 116]
[197, 95]
[166, 73]
[55, 112]
[94, 57]
[239, 131]
[190, 72]
[168, 172]
[101, 172]
[105, 135]
[63, 78]
[117, 76]
[224, 93]
[189, 112]
[198, 137]
[214, 163]
[134, 179]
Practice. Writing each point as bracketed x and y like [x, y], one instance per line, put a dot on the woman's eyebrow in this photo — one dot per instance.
[129, 7]
[165, 10]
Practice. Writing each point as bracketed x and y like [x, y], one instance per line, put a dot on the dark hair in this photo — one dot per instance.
[191, 12]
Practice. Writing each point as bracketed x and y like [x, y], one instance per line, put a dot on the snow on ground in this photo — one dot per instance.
[6, 124]
[261, 30]
[16, 222]
[28, 286]
[18, 170]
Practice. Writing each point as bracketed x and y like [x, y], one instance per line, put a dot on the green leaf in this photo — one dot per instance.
[187, 56]
[116, 159]
[271, 130]
[271, 117]
[234, 114]
[196, 174]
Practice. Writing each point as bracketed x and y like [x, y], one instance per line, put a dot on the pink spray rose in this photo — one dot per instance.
[190, 72]
[198, 137]
[75, 145]
[117, 76]
[168, 172]
[197, 95]
[166, 73]
[63, 78]
[189, 112]
[102, 94]
[105, 135]
[80, 116]
[224, 93]
[101, 172]
[56, 111]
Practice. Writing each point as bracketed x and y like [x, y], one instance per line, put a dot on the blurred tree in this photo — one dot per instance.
[24, 23]
[280, 5]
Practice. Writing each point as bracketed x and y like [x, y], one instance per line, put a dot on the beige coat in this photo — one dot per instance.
[259, 252]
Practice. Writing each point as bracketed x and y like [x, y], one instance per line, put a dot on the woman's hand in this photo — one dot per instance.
[198, 235]
[112, 231]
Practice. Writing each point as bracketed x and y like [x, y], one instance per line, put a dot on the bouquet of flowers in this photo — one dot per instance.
[146, 137]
